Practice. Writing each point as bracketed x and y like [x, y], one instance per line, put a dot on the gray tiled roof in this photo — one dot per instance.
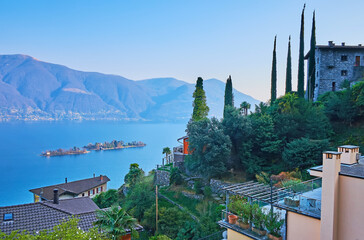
[73, 188]
[353, 170]
[39, 216]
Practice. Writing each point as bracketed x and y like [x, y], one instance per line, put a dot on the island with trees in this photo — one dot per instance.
[114, 144]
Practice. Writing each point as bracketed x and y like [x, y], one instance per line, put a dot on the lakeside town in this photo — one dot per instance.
[290, 168]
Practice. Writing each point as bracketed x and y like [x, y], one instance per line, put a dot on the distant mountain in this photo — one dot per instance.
[34, 90]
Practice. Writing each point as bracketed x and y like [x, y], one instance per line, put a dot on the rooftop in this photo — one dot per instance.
[39, 216]
[73, 188]
[349, 146]
[353, 170]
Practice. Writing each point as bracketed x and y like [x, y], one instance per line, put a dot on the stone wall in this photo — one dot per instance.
[329, 66]
[161, 178]
[217, 185]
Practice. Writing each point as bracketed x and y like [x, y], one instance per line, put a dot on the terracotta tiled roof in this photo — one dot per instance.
[72, 188]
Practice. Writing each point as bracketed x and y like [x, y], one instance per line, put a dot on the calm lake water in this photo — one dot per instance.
[21, 167]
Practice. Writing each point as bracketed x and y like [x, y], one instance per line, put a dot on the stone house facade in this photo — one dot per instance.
[335, 64]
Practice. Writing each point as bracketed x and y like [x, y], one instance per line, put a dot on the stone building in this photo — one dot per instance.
[335, 64]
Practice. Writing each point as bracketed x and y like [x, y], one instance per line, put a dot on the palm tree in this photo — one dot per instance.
[244, 107]
[115, 223]
[166, 151]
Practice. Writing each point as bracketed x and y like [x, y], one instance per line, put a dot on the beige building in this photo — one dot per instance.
[329, 207]
[89, 187]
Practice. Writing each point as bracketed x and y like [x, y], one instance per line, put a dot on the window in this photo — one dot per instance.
[97, 190]
[329, 156]
[344, 58]
[357, 61]
[89, 193]
[83, 194]
[344, 72]
[333, 86]
[8, 217]
[93, 191]
[101, 188]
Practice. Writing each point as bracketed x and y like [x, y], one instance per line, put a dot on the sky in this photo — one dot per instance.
[184, 39]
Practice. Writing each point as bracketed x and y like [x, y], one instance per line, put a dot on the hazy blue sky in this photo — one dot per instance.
[181, 39]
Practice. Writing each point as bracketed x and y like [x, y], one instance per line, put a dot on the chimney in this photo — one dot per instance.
[101, 178]
[331, 43]
[343, 44]
[55, 196]
[94, 174]
[350, 154]
[330, 194]
[359, 44]
[65, 180]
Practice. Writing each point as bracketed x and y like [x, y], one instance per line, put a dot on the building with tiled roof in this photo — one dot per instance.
[82, 188]
[35, 217]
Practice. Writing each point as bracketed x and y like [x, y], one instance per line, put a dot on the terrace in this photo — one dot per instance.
[299, 197]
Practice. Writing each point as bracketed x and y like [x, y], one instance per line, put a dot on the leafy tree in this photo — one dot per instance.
[166, 151]
[229, 97]
[160, 237]
[175, 177]
[190, 231]
[301, 64]
[200, 108]
[67, 230]
[114, 222]
[273, 91]
[238, 128]
[289, 68]
[170, 220]
[139, 199]
[211, 148]
[106, 199]
[312, 62]
[304, 153]
[134, 175]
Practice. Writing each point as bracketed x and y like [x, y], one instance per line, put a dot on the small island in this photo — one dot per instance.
[62, 152]
[113, 145]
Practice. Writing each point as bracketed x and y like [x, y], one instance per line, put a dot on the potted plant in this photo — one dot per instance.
[258, 219]
[274, 225]
[245, 216]
[232, 219]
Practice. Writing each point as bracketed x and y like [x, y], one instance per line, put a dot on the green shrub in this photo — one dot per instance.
[258, 217]
[175, 177]
[274, 223]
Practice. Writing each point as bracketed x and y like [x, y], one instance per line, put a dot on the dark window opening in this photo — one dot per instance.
[333, 86]
[344, 58]
[357, 61]
[329, 156]
[344, 72]
[8, 217]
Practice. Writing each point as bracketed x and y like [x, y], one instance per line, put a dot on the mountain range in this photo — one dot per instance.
[34, 90]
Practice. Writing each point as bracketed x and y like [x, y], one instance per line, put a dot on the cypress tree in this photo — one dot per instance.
[312, 62]
[200, 108]
[229, 97]
[289, 68]
[273, 91]
[301, 64]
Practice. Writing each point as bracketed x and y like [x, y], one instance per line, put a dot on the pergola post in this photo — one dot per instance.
[227, 209]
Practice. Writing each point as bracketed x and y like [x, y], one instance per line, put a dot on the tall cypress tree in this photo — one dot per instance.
[289, 68]
[301, 64]
[200, 108]
[312, 62]
[273, 90]
[229, 97]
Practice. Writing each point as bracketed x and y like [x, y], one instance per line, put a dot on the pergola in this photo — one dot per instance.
[257, 191]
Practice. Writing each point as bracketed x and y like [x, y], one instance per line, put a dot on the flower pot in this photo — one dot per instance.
[271, 237]
[126, 237]
[259, 232]
[233, 219]
[244, 225]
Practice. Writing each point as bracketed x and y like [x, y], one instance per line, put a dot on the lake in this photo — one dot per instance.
[21, 143]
